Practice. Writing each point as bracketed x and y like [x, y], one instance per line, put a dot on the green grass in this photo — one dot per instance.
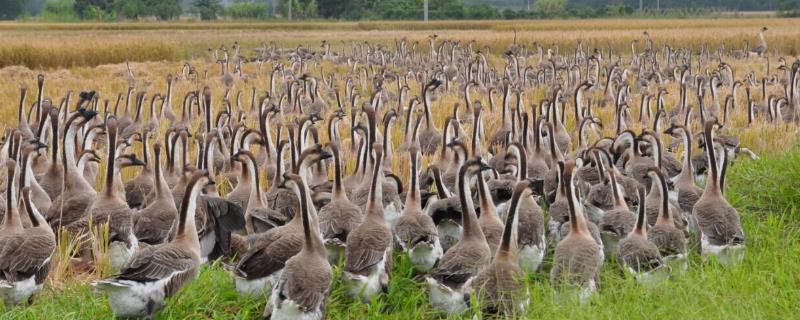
[763, 286]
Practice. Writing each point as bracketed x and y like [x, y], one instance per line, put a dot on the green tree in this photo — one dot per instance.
[446, 9]
[11, 9]
[207, 9]
[163, 9]
[482, 12]
[550, 8]
[789, 8]
[343, 9]
[87, 9]
[397, 9]
[59, 10]
[248, 10]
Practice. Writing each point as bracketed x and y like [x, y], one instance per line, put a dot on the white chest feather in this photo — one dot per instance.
[424, 255]
[367, 286]
[257, 286]
[14, 293]
[449, 233]
[531, 256]
[391, 213]
[445, 299]
[727, 254]
[135, 299]
[119, 253]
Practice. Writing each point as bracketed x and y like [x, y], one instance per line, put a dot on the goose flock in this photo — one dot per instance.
[336, 161]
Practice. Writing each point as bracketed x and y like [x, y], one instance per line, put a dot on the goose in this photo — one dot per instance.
[445, 212]
[392, 203]
[637, 165]
[415, 231]
[531, 238]
[340, 216]
[448, 282]
[52, 179]
[216, 217]
[686, 193]
[305, 282]
[22, 120]
[501, 285]
[718, 223]
[240, 195]
[157, 272]
[279, 199]
[654, 196]
[489, 221]
[559, 224]
[599, 195]
[25, 253]
[762, 44]
[110, 207]
[152, 224]
[636, 254]
[258, 217]
[261, 266]
[139, 187]
[430, 137]
[78, 194]
[617, 222]
[39, 197]
[577, 258]
[92, 134]
[368, 252]
[551, 180]
[670, 240]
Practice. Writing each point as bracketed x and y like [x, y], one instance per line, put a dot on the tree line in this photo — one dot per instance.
[110, 10]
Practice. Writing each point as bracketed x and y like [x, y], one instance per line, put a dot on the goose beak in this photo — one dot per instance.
[136, 161]
[40, 145]
[88, 114]
[325, 155]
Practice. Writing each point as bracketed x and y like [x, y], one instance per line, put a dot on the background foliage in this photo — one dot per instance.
[68, 10]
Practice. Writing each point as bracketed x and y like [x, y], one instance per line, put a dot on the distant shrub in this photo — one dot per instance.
[789, 8]
[248, 10]
[59, 10]
[482, 12]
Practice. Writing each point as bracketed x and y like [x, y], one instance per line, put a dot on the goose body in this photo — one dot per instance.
[577, 258]
[718, 223]
[25, 253]
[158, 272]
[415, 231]
[501, 286]
[368, 255]
[637, 254]
[449, 281]
[305, 282]
[340, 216]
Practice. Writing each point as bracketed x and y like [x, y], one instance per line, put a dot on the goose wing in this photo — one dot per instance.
[307, 284]
[25, 253]
[263, 261]
[366, 248]
[229, 217]
[458, 265]
[156, 263]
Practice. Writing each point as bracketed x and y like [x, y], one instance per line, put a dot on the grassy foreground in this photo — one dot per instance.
[764, 286]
